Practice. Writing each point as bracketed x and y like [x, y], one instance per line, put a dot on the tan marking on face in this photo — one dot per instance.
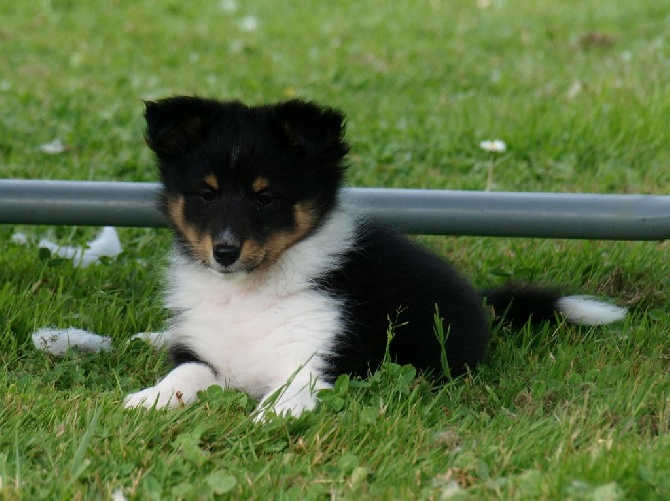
[304, 219]
[260, 184]
[212, 181]
[252, 255]
[257, 256]
[201, 246]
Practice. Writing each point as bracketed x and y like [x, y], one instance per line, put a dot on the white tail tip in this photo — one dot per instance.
[584, 310]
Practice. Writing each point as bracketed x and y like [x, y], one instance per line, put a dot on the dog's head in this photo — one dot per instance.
[242, 184]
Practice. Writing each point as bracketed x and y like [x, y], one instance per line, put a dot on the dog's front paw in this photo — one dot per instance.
[151, 398]
[178, 389]
[281, 406]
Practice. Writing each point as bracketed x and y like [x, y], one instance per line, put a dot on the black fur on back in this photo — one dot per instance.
[390, 280]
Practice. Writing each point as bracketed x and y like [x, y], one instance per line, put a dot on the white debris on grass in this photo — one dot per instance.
[248, 23]
[20, 238]
[106, 244]
[574, 90]
[229, 6]
[493, 146]
[54, 147]
[118, 495]
[58, 341]
[451, 490]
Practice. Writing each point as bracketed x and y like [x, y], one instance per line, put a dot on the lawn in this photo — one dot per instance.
[579, 92]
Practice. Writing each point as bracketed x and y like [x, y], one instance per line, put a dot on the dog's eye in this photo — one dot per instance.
[265, 198]
[207, 195]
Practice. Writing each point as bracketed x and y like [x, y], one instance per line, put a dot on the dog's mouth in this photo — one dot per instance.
[231, 270]
[227, 273]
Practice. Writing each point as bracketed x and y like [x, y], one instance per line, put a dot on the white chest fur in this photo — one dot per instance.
[256, 336]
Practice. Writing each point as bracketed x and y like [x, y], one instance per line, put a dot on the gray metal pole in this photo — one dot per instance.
[546, 215]
[80, 203]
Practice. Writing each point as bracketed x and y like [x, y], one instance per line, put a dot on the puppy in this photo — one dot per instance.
[277, 285]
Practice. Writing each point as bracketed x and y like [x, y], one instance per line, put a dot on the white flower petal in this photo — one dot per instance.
[118, 495]
[53, 148]
[229, 6]
[493, 146]
[20, 238]
[248, 23]
[106, 244]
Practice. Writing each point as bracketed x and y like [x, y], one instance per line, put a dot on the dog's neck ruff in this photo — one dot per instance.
[296, 270]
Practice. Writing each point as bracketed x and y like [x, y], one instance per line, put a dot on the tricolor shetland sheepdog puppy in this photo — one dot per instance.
[277, 285]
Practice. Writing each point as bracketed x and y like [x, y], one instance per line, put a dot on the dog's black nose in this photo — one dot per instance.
[226, 254]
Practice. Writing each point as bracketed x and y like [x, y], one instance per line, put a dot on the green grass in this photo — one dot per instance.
[578, 90]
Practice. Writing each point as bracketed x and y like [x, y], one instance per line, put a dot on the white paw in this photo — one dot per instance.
[179, 388]
[152, 398]
[284, 405]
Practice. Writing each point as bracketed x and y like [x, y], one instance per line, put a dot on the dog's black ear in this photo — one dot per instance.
[178, 123]
[313, 128]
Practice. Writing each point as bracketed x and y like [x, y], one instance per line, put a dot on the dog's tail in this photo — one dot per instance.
[519, 304]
